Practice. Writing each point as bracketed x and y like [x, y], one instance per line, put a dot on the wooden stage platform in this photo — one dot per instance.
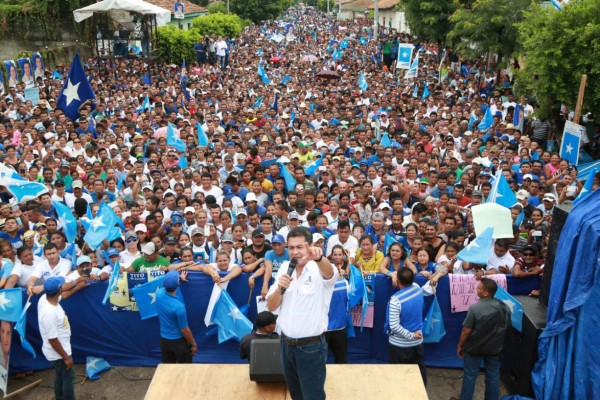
[232, 381]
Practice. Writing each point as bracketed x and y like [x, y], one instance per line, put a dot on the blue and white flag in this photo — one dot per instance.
[75, 91]
[487, 121]
[385, 140]
[94, 366]
[145, 297]
[405, 52]
[20, 327]
[426, 93]
[362, 82]
[389, 240]
[11, 304]
[501, 192]
[114, 277]
[102, 227]
[146, 104]
[357, 287]
[173, 140]
[472, 120]
[286, 79]
[416, 91]
[571, 142]
[519, 117]
[559, 4]
[23, 190]
[587, 187]
[478, 250]
[232, 323]
[258, 102]
[515, 307]
[202, 138]
[67, 220]
[311, 169]
[413, 71]
[290, 181]
[183, 162]
[275, 104]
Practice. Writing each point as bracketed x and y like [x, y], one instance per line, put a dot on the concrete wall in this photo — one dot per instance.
[13, 44]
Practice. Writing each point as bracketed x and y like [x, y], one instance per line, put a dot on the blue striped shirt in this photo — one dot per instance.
[405, 316]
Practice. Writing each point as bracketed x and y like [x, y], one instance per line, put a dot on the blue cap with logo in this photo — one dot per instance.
[228, 192]
[277, 238]
[53, 284]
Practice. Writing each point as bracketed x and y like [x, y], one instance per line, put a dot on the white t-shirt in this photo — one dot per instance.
[43, 270]
[74, 275]
[54, 324]
[127, 258]
[351, 245]
[24, 271]
[494, 261]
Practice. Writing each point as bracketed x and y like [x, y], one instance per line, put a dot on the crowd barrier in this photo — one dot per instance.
[124, 340]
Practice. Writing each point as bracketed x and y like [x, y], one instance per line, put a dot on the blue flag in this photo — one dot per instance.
[146, 79]
[70, 253]
[416, 91]
[102, 227]
[385, 140]
[344, 44]
[362, 41]
[520, 219]
[286, 79]
[569, 148]
[67, 220]
[292, 117]
[357, 288]
[94, 366]
[290, 181]
[275, 104]
[362, 82]
[11, 304]
[266, 163]
[202, 138]
[464, 71]
[75, 91]
[23, 190]
[173, 140]
[145, 297]
[114, 277]
[183, 162]
[389, 240]
[20, 327]
[258, 102]
[472, 120]
[478, 250]
[146, 104]
[231, 321]
[426, 93]
[487, 121]
[311, 169]
[501, 192]
[337, 54]
[535, 156]
[587, 187]
[413, 71]
[516, 309]
[557, 4]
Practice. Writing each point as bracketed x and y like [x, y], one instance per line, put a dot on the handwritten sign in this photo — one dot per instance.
[463, 290]
[261, 305]
[32, 94]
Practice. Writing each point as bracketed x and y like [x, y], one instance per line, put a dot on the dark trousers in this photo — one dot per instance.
[64, 381]
[337, 342]
[304, 368]
[409, 355]
[175, 351]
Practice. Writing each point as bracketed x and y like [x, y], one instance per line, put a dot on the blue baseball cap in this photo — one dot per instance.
[53, 284]
[112, 252]
[176, 220]
[277, 238]
[171, 281]
[228, 191]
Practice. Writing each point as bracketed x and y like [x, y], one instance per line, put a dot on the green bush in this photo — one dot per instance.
[176, 45]
[217, 8]
[218, 24]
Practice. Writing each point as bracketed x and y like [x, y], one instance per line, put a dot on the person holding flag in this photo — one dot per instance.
[177, 343]
[55, 331]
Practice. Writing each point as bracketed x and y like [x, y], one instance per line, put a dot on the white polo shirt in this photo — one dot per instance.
[43, 270]
[305, 305]
[54, 324]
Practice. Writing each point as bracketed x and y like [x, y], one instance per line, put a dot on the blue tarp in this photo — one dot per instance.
[122, 339]
[569, 355]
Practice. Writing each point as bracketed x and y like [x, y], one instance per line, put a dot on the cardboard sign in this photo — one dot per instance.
[463, 290]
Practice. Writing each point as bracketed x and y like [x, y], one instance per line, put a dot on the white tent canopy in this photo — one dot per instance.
[163, 16]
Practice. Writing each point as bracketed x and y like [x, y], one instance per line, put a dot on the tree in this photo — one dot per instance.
[559, 47]
[429, 19]
[218, 7]
[484, 26]
[257, 10]
[176, 45]
[218, 24]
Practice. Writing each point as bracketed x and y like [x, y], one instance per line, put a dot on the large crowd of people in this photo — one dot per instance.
[227, 207]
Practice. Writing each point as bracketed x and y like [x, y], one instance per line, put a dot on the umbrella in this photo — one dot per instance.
[328, 75]
[492, 215]
[275, 59]
[310, 57]
[162, 132]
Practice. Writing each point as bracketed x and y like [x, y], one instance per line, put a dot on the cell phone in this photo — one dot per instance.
[87, 271]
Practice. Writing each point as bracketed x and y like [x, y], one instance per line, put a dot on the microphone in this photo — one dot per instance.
[290, 270]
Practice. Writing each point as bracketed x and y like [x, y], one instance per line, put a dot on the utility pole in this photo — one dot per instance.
[227, 6]
[327, 7]
[376, 21]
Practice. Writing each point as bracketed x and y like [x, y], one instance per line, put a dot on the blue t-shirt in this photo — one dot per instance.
[171, 314]
[7, 267]
[15, 241]
[277, 260]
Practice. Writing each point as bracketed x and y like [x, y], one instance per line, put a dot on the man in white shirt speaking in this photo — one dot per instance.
[302, 291]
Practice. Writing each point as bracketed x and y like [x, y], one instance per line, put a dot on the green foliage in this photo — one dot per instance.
[258, 10]
[486, 26]
[218, 24]
[176, 45]
[218, 7]
[559, 47]
[429, 19]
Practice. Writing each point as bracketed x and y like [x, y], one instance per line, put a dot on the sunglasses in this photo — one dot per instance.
[343, 214]
[131, 240]
[528, 254]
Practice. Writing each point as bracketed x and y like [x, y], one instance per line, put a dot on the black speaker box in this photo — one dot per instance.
[520, 354]
[559, 218]
[265, 362]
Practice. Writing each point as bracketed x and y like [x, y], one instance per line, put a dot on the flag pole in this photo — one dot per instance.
[580, 99]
